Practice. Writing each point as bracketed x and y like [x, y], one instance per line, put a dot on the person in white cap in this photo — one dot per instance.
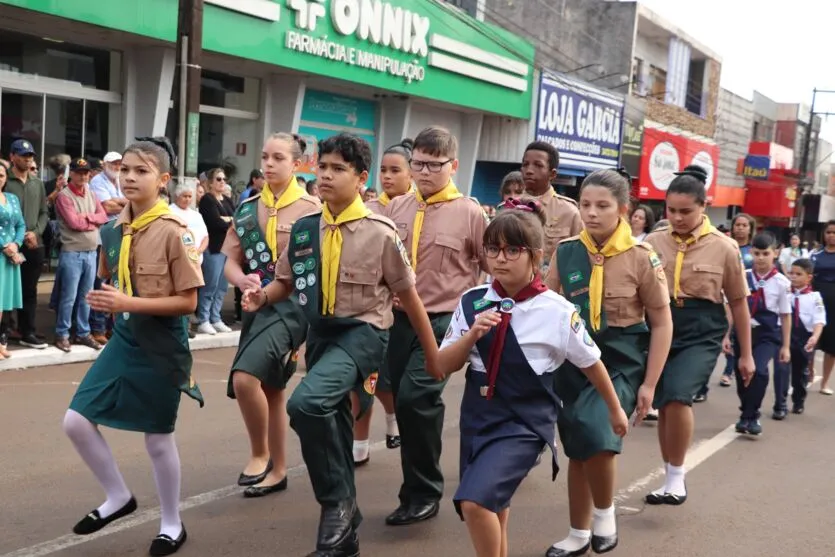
[106, 185]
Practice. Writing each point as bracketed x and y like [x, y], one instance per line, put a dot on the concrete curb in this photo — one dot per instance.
[32, 357]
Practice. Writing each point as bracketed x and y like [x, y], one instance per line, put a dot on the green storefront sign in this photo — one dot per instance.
[420, 48]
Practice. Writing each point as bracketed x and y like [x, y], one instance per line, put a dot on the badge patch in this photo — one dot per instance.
[301, 284]
[653, 259]
[659, 272]
[587, 339]
[370, 384]
[310, 264]
[576, 276]
[260, 246]
[265, 257]
[298, 268]
[303, 252]
[249, 253]
[303, 299]
[578, 292]
[193, 255]
[402, 249]
[188, 239]
[481, 304]
[253, 264]
[302, 237]
[311, 279]
[240, 230]
[506, 305]
[576, 322]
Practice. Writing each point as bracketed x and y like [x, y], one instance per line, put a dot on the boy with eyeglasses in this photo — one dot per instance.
[442, 231]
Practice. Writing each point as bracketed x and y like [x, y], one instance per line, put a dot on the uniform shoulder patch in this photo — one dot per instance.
[576, 322]
[568, 199]
[188, 238]
[654, 260]
[384, 220]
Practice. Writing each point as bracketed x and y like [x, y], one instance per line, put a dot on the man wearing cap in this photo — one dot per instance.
[30, 190]
[79, 217]
[106, 185]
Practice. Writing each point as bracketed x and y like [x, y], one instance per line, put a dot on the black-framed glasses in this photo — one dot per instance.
[433, 166]
[511, 253]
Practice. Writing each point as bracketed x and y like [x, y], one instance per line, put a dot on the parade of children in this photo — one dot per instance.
[565, 323]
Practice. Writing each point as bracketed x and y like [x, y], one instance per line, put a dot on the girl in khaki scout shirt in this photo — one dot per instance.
[270, 338]
[614, 281]
[136, 382]
[562, 218]
[359, 263]
[702, 266]
[443, 233]
[396, 179]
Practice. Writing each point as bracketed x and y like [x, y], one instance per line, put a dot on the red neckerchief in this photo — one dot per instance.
[758, 295]
[797, 295]
[77, 191]
[535, 288]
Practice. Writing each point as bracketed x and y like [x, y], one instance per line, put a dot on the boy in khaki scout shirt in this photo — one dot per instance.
[443, 232]
[345, 264]
[562, 218]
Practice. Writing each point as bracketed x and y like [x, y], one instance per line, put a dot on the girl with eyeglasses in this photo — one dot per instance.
[513, 335]
[618, 284]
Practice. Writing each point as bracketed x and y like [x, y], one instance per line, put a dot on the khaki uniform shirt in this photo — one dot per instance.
[163, 257]
[286, 216]
[712, 266]
[633, 281]
[375, 206]
[562, 220]
[373, 265]
[450, 255]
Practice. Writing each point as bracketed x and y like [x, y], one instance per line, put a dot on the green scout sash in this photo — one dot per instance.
[575, 274]
[364, 343]
[163, 339]
[258, 258]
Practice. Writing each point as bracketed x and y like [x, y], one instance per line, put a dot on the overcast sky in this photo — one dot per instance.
[781, 48]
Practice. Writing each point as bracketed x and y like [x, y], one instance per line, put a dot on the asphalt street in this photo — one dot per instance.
[770, 496]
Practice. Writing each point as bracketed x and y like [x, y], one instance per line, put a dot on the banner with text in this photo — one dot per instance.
[581, 121]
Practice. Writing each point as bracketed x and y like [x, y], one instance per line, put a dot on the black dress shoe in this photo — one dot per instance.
[337, 524]
[166, 545]
[254, 491]
[417, 512]
[676, 500]
[363, 462]
[557, 552]
[398, 515]
[245, 480]
[93, 522]
[348, 548]
[392, 441]
[654, 499]
[604, 544]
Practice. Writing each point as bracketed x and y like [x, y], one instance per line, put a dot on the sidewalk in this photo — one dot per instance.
[23, 357]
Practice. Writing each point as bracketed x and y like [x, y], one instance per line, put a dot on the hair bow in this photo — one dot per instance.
[513, 203]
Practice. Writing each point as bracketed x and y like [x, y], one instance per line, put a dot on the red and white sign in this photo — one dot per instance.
[665, 153]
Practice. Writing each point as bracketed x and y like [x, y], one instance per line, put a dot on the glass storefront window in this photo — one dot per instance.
[24, 54]
[22, 118]
[96, 126]
[229, 91]
[64, 127]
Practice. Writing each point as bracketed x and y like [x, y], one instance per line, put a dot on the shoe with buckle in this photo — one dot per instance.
[166, 545]
[413, 513]
[336, 524]
[93, 522]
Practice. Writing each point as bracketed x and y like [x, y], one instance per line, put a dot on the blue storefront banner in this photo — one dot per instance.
[756, 167]
[581, 121]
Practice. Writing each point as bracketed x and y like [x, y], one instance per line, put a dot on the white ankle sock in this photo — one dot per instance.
[576, 540]
[95, 452]
[663, 489]
[361, 449]
[675, 480]
[604, 523]
[391, 425]
[166, 463]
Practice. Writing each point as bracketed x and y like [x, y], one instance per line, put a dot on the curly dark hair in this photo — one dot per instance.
[353, 149]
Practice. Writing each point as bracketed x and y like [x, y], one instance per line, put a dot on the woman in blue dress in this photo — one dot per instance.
[824, 261]
[514, 333]
[12, 228]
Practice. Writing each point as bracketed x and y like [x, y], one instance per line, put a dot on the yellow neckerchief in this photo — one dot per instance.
[683, 244]
[128, 230]
[449, 193]
[618, 243]
[384, 199]
[291, 194]
[332, 249]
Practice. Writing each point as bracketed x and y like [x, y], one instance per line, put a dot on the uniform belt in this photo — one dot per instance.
[690, 303]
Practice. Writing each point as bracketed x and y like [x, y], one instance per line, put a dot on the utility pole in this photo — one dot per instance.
[804, 160]
[189, 54]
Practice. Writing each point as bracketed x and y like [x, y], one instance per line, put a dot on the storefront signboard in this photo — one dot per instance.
[581, 121]
[667, 152]
[419, 48]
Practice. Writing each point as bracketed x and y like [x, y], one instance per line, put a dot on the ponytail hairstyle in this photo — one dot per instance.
[404, 149]
[297, 144]
[691, 181]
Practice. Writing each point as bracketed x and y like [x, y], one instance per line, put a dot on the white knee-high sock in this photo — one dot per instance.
[166, 462]
[95, 452]
[391, 425]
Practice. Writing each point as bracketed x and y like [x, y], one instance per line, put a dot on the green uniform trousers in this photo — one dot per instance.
[419, 408]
